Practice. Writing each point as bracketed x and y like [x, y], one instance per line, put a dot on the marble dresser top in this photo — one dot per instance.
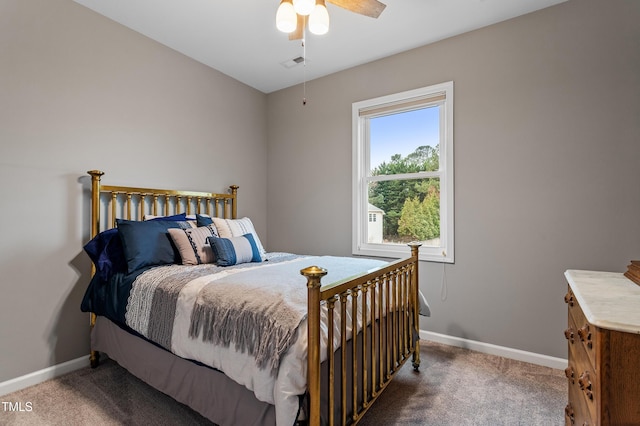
[608, 299]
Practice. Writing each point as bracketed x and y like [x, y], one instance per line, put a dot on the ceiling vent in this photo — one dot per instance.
[290, 63]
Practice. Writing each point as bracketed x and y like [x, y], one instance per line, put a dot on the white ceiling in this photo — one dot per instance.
[239, 37]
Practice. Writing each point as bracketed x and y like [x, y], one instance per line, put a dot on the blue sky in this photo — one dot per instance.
[402, 133]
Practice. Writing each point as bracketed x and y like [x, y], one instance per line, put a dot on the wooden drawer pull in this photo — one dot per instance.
[570, 374]
[568, 299]
[568, 333]
[568, 411]
[585, 384]
[585, 335]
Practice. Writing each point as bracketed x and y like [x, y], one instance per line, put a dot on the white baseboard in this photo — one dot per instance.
[40, 376]
[488, 348]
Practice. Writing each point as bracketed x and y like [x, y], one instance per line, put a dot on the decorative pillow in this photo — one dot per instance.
[190, 218]
[147, 243]
[192, 244]
[106, 252]
[235, 250]
[228, 228]
[176, 217]
[203, 220]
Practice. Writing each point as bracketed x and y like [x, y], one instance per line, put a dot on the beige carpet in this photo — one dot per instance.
[454, 387]
[460, 387]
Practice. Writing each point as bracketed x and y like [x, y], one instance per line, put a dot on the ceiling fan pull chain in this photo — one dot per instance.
[304, 69]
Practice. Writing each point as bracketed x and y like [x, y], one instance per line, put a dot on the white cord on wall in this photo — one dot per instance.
[443, 284]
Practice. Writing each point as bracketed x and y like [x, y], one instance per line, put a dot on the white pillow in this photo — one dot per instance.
[228, 228]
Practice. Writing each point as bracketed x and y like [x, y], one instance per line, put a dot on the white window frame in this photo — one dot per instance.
[439, 94]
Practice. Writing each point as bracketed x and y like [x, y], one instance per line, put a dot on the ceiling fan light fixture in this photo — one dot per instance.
[286, 20]
[319, 19]
[304, 7]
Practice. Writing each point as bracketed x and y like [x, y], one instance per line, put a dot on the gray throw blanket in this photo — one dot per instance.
[151, 307]
[259, 310]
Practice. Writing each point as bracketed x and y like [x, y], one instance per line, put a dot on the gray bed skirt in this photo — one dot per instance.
[205, 390]
[209, 391]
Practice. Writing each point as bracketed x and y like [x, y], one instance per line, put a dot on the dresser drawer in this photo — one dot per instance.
[584, 332]
[584, 390]
[576, 413]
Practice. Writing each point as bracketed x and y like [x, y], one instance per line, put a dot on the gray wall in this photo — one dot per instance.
[79, 92]
[546, 143]
[547, 150]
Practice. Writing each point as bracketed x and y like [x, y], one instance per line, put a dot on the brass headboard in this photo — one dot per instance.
[124, 202]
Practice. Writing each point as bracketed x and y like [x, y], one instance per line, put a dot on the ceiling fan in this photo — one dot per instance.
[293, 15]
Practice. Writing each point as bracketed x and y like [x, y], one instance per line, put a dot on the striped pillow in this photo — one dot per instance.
[228, 228]
[235, 250]
[193, 244]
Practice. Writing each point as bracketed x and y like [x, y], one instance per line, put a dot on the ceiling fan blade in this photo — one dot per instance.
[298, 34]
[372, 8]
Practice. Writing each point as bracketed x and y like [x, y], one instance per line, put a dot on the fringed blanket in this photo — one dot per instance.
[259, 310]
[151, 308]
[242, 320]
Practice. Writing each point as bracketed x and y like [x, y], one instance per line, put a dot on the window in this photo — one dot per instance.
[403, 173]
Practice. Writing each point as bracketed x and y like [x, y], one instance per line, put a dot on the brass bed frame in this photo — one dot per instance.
[372, 357]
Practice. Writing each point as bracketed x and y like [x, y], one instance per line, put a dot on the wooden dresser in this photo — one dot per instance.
[603, 337]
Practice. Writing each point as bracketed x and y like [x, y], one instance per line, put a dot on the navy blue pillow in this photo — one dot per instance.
[106, 253]
[203, 220]
[148, 243]
[176, 217]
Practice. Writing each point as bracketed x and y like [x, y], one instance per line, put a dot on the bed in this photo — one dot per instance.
[184, 296]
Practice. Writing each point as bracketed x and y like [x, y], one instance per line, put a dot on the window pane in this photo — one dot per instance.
[405, 142]
[409, 209]
[403, 173]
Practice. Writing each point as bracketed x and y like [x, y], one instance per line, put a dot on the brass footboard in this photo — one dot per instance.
[385, 304]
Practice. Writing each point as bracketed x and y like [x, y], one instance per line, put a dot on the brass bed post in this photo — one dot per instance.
[94, 356]
[416, 304]
[313, 274]
[234, 201]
